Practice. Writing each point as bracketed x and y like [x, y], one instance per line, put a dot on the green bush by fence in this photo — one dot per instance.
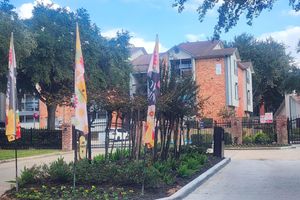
[34, 138]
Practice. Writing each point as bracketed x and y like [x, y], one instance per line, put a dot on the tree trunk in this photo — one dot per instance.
[51, 116]
[175, 137]
[188, 133]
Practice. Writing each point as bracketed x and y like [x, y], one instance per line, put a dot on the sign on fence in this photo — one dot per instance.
[267, 118]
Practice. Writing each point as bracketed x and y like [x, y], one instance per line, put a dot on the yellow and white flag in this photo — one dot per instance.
[80, 121]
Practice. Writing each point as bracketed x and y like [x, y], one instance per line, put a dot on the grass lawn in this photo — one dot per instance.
[8, 154]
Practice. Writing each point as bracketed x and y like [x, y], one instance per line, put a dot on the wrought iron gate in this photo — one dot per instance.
[294, 131]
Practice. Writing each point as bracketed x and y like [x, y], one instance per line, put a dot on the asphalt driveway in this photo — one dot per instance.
[255, 175]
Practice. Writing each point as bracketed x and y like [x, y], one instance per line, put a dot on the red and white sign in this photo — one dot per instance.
[267, 118]
[262, 119]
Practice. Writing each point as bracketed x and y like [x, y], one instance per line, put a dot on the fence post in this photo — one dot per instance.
[237, 130]
[282, 129]
[219, 142]
[67, 137]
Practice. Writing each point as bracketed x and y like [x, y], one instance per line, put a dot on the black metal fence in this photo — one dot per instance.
[118, 135]
[202, 131]
[259, 132]
[294, 131]
[33, 138]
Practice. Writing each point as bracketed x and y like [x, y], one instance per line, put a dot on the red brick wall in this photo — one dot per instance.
[64, 113]
[211, 85]
[241, 85]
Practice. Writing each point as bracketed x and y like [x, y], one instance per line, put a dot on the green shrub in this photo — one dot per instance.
[248, 139]
[99, 158]
[261, 138]
[184, 171]
[119, 154]
[152, 177]
[60, 171]
[28, 176]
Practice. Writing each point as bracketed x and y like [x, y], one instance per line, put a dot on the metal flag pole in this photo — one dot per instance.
[144, 166]
[16, 161]
[14, 105]
[75, 158]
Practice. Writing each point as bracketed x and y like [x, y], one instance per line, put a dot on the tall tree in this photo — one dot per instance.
[51, 63]
[230, 11]
[271, 67]
[24, 41]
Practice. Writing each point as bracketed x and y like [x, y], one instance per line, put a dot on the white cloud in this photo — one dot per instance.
[293, 13]
[290, 37]
[135, 40]
[148, 45]
[194, 37]
[111, 33]
[25, 10]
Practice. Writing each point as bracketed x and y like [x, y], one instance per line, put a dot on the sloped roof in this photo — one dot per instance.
[205, 49]
[142, 60]
[141, 64]
[201, 50]
[246, 65]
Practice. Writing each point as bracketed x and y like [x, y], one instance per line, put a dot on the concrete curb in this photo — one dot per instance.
[37, 156]
[191, 186]
[262, 148]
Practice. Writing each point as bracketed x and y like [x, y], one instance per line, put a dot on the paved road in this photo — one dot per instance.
[258, 175]
[7, 170]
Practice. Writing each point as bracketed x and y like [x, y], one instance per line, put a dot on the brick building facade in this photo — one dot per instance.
[224, 80]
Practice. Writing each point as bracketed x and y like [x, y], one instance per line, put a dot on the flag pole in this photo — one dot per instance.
[75, 158]
[16, 161]
[14, 110]
[144, 166]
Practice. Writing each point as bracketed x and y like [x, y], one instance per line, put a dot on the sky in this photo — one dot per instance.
[146, 18]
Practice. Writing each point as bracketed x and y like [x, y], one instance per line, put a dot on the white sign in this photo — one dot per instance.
[262, 119]
[269, 117]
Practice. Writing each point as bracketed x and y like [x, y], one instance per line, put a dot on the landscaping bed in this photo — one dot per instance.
[116, 178]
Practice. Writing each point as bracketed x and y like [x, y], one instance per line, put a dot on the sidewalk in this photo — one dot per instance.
[7, 167]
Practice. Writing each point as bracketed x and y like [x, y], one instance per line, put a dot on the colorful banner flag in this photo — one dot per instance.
[12, 125]
[81, 121]
[153, 86]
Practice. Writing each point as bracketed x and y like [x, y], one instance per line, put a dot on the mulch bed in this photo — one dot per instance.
[168, 190]
[150, 193]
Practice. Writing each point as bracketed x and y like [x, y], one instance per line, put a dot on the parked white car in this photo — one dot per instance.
[118, 134]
